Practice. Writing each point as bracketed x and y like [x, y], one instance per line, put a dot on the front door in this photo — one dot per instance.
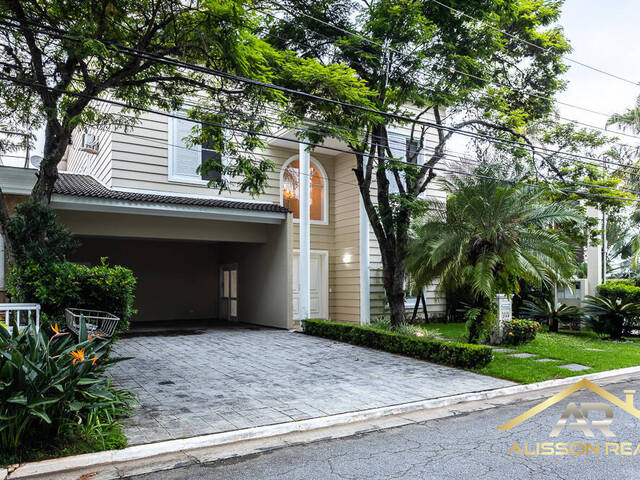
[319, 285]
[229, 292]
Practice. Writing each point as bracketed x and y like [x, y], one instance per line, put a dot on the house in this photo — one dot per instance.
[137, 199]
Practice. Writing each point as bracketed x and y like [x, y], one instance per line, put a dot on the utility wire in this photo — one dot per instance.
[397, 117]
[531, 44]
[298, 141]
[471, 75]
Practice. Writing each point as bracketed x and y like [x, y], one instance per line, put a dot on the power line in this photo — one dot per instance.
[397, 117]
[313, 144]
[471, 75]
[531, 44]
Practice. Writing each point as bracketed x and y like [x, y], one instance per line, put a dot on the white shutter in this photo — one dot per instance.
[183, 161]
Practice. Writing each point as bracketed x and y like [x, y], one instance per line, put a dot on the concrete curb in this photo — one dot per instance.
[169, 454]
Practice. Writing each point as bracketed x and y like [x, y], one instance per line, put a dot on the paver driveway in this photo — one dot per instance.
[234, 377]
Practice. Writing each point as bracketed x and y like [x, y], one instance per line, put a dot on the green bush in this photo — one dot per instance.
[614, 316]
[36, 235]
[47, 384]
[623, 289]
[70, 285]
[517, 331]
[446, 353]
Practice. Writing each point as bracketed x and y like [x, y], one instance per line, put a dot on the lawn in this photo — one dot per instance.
[564, 347]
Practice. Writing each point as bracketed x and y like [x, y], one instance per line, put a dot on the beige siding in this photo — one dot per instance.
[99, 164]
[345, 260]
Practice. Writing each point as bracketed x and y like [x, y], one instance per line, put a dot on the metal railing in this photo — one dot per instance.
[19, 315]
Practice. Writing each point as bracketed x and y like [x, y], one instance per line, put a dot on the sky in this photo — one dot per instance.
[603, 34]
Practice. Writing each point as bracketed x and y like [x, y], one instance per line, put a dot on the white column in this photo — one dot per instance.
[594, 258]
[365, 292]
[305, 232]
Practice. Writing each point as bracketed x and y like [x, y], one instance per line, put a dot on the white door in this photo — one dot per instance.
[228, 292]
[319, 285]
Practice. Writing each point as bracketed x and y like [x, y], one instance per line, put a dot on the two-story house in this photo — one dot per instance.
[197, 253]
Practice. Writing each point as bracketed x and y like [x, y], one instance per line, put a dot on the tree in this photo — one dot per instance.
[57, 57]
[487, 237]
[424, 59]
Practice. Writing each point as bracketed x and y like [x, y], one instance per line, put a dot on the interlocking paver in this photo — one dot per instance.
[236, 377]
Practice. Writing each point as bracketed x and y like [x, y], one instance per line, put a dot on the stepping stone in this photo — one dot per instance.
[595, 349]
[545, 360]
[574, 367]
[522, 355]
[502, 350]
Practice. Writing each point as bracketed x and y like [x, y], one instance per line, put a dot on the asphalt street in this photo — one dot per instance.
[459, 447]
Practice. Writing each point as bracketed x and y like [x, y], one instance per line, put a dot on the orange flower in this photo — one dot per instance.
[55, 328]
[95, 359]
[78, 356]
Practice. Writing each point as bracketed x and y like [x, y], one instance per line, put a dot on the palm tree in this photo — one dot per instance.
[486, 237]
[629, 119]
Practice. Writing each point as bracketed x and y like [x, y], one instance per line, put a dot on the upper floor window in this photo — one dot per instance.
[184, 161]
[290, 181]
[405, 149]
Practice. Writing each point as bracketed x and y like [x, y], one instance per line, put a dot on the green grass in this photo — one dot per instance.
[111, 438]
[564, 347]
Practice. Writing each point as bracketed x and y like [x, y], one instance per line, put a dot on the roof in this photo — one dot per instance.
[86, 186]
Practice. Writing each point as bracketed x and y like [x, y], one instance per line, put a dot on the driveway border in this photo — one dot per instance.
[169, 454]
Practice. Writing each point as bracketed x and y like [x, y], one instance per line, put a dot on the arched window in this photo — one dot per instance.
[290, 182]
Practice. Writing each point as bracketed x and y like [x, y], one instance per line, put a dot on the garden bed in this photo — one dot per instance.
[566, 347]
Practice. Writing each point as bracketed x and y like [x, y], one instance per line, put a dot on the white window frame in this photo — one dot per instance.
[172, 145]
[325, 197]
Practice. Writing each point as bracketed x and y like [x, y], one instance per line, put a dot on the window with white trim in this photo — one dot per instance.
[185, 161]
[290, 190]
[402, 147]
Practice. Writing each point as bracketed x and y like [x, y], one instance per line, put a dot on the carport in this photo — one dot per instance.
[194, 258]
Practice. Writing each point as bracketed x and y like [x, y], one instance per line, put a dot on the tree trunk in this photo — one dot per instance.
[55, 146]
[393, 276]
[553, 324]
[4, 225]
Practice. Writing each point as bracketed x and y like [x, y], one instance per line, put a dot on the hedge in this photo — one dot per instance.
[619, 289]
[446, 353]
[71, 285]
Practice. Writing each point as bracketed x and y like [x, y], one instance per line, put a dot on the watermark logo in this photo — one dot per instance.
[576, 417]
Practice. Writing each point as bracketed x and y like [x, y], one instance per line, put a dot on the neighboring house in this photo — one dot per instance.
[137, 199]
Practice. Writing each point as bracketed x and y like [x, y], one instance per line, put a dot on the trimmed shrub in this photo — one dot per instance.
[517, 331]
[438, 351]
[71, 285]
[623, 289]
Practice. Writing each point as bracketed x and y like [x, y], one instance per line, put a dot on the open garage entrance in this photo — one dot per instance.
[202, 277]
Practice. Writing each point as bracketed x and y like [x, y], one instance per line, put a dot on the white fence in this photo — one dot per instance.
[19, 315]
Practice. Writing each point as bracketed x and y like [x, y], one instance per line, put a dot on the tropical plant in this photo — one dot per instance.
[615, 317]
[487, 237]
[629, 120]
[551, 313]
[47, 382]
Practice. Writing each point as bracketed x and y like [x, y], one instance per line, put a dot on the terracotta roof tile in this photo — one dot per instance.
[87, 186]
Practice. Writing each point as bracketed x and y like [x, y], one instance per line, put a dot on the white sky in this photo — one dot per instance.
[603, 34]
